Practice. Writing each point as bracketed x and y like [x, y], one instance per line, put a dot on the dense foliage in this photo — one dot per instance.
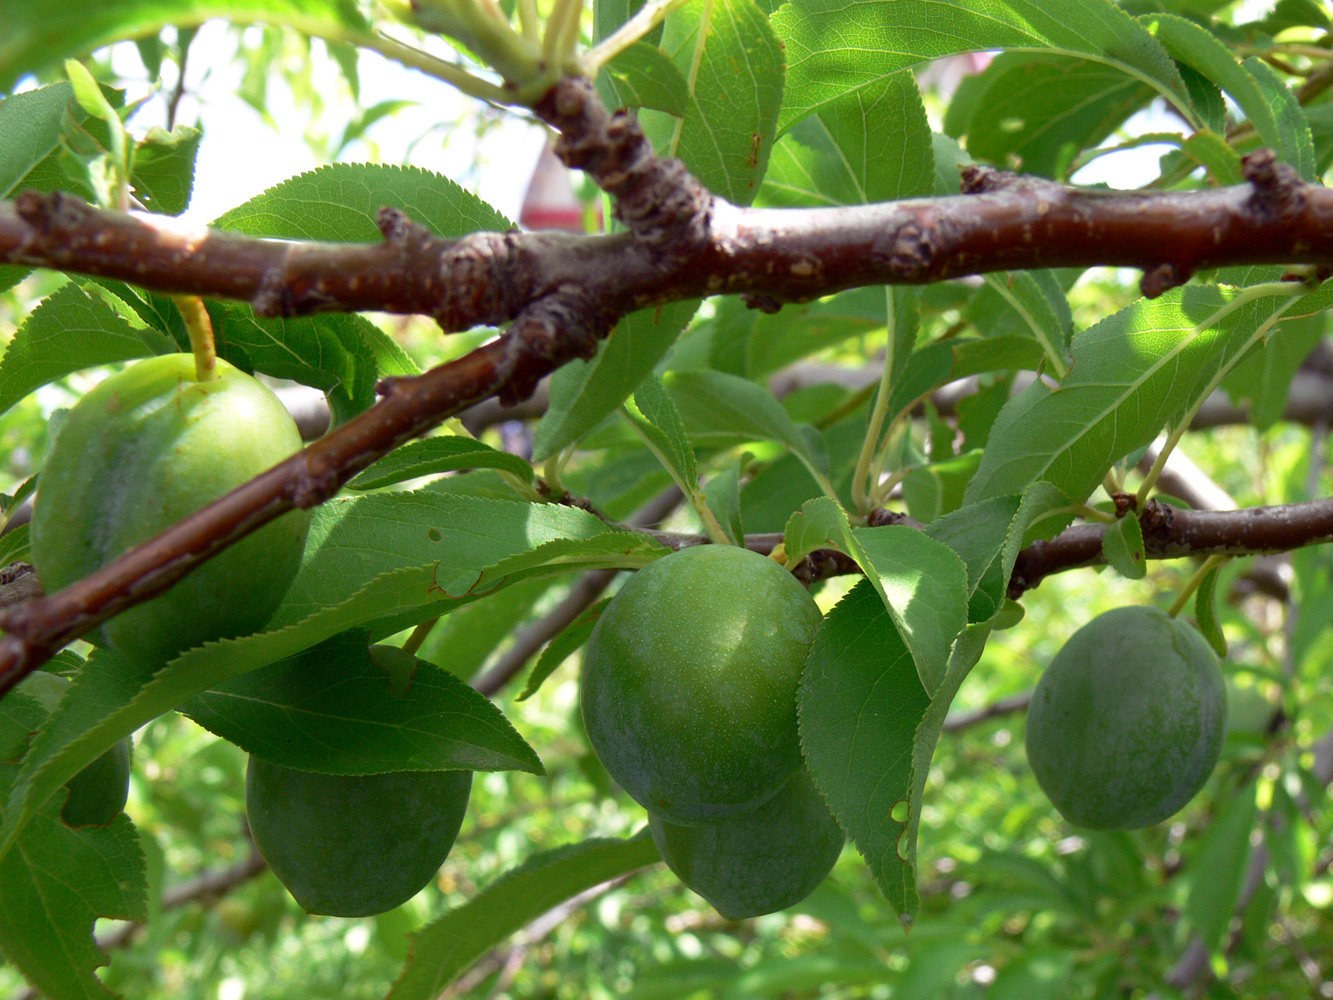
[925, 456]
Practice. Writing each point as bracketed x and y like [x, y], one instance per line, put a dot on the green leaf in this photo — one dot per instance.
[332, 709]
[1038, 110]
[863, 148]
[331, 351]
[869, 730]
[988, 536]
[164, 168]
[722, 493]
[1040, 303]
[655, 417]
[583, 393]
[1264, 376]
[355, 541]
[54, 884]
[30, 130]
[1217, 872]
[1257, 93]
[562, 647]
[446, 947]
[934, 490]
[438, 454]
[339, 203]
[1205, 612]
[644, 77]
[1122, 545]
[715, 402]
[833, 50]
[729, 52]
[14, 546]
[382, 561]
[37, 34]
[921, 582]
[1133, 373]
[79, 326]
[464, 639]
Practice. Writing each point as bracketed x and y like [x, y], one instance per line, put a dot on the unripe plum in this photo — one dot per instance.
[354, 845]
[1127, 722]
[760, 861]
[690, 680]
[141, 451]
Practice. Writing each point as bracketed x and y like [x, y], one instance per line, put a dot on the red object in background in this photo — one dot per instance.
[550, 202]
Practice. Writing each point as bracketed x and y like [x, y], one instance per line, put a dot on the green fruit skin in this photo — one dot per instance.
[354, 845]
[760, 861]
[690, 680]
[144, 449]
[98, 793]
[1127, 722]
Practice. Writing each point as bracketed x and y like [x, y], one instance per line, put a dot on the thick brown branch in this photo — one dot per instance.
[771, 255]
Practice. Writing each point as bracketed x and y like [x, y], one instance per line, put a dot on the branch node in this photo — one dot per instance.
[1278, 189]
[271, 297]
[1157, 523]
[912, 251]
[564, 325]
[312, 487]
[764, 303]
[660, 201]
[978, 178]
[401, 232]
[476, 273]
[53, 213]
[1163, 278]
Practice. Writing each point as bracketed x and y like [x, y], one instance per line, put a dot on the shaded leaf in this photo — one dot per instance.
[332, 709]
[54, 884]
[868, 730]
[921, 582]
[432, 455]
[562, 647]
[1122, 545]
[446, 947]
[583, 393]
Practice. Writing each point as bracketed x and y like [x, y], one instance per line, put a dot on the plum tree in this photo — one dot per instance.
[354, 845]
[97, 794]
[142, 450]
[853, 311]
[1126, 723]
[758, 861]
[690, 678]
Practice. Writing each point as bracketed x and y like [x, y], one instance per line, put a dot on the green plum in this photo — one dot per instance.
[1127, 722]
[690, 679]
[759, 861]
[97, 794]
[141, 451]
[354, 845]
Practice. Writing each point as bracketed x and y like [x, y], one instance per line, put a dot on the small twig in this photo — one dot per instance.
[957, 722]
